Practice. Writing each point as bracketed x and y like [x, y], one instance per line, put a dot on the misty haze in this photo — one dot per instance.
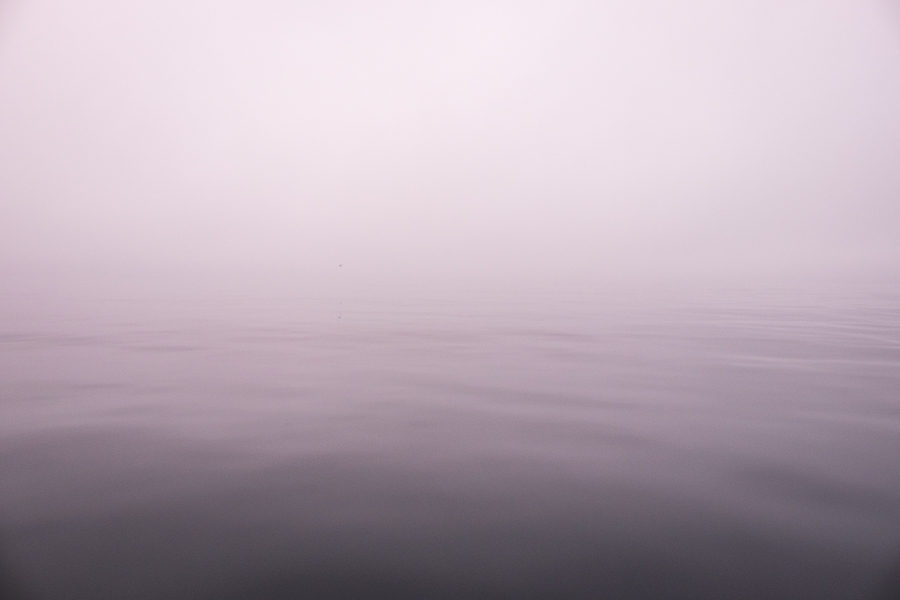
[449, 299]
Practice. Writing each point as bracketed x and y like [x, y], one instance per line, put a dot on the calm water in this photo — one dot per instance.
[742, 445]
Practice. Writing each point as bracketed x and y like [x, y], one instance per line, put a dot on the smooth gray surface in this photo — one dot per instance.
[740, 445]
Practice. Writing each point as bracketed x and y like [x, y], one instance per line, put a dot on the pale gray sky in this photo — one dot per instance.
[566, 139]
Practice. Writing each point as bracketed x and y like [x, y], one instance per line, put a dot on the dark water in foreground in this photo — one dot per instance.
[743, 446]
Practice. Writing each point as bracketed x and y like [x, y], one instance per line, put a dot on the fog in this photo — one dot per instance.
[449, 299]
[458, 140]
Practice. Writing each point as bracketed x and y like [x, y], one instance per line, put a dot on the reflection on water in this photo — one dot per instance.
[735, 447]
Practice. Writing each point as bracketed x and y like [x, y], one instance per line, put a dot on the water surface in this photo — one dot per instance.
[730, 445]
